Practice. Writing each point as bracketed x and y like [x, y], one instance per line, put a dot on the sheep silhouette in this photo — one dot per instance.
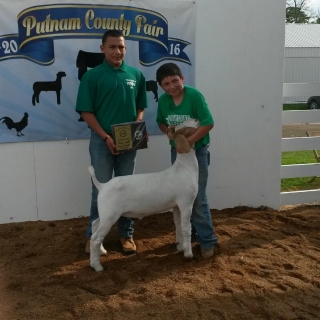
[48, 86]
[87, 60]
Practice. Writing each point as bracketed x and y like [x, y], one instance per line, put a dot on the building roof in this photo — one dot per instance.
[302, 35]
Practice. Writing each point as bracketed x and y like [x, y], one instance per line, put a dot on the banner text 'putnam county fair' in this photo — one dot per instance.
[39, 25]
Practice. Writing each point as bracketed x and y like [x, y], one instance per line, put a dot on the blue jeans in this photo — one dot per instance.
[201, 220]
[105, 165]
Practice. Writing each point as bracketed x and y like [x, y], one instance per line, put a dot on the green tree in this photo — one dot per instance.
[298, 11]
[296, 15]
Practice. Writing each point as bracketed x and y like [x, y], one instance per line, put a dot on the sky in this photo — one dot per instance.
[316, 5]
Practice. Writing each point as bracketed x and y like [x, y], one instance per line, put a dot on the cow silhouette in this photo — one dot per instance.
[87, 60]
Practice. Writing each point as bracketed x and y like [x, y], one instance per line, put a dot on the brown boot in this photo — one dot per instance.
[206, 253]
[128, 245]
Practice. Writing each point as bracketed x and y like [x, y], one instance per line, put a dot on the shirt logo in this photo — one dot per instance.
[177, 119]
[131, 83]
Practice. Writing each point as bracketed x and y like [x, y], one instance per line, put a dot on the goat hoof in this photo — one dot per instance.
[179, 247]
[188, 256]
[103, 251]
[97, 268]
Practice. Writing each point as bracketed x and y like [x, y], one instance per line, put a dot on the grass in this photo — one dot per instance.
[298, 157]
[305, 183]
[295, 106]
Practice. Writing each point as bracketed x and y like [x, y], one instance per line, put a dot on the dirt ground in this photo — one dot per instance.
[266, 267]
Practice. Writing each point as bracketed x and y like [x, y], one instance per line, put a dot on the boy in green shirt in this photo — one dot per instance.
[178, 104]
[111, 93]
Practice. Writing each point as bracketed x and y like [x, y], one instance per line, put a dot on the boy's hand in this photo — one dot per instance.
[171, 132]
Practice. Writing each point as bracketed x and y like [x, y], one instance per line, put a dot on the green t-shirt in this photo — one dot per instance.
[192, 106]
[112, 94]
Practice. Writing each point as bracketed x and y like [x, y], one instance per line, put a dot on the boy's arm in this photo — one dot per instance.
[161, 119]
[140, 113]
[199, 133]
[93, 123]
[163, 127]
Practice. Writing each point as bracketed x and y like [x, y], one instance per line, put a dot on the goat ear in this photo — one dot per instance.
[182, 143]
[187, 131]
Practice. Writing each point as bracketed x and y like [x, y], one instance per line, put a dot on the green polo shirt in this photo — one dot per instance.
[193, 105]
[112, 94]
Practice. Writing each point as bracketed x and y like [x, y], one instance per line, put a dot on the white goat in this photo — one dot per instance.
[141, 195]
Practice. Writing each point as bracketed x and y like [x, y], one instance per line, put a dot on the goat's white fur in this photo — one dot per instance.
[140, 195]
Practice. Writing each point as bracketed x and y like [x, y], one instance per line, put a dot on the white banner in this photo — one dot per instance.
[45, 49]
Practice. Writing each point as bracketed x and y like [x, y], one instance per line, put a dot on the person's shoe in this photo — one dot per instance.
[128, 245]
[206, 253]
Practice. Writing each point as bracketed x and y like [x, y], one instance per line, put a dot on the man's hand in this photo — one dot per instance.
[112, 147]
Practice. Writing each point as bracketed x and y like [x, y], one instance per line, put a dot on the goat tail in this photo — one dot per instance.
[94, 179]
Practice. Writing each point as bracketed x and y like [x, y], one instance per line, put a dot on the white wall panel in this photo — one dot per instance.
[62, 179]
[240, 72]
[302, 52]
[18, 196]
[302, 70]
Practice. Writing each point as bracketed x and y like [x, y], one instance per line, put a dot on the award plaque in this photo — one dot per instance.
[130, 136]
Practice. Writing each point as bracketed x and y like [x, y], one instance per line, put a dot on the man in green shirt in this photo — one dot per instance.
[111, 93]
[178, 104]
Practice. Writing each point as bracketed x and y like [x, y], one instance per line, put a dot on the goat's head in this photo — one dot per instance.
[183, 131]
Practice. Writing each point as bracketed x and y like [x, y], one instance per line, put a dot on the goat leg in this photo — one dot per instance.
[177, 223]
[95, 255]
[186, 232]
[95, 226]
[100, 228]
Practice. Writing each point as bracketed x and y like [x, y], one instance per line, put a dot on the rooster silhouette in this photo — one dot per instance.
[19, 126]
